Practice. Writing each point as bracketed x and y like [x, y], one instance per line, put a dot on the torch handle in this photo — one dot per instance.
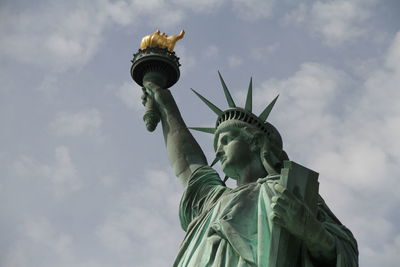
[151, 117]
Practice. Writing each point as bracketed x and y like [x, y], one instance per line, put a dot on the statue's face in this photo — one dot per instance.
[234, 152]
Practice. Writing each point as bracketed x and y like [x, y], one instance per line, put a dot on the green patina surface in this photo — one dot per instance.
[233, 227]
[274, 217]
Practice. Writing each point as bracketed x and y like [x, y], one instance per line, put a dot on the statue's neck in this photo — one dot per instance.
[251, 172]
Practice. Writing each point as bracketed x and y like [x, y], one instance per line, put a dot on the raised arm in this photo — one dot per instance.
[184, 153]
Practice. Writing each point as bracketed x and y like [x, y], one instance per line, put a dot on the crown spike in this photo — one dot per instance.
[204, 129]
[228, 96]
[264, 115]
[249, 98]
[208, 103]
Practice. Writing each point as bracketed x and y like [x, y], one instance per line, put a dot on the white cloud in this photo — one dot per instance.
[348, 133]
[336, 21]
[393, 56]
[49, 85]
[387, 256]
[55, 35]
[37, 235]
[38, 241]
[263, 52]
[118, 11]
[59, 35]
[162, 12]
[205, 6]
[87, 122]
[211, 51]
[379, 99]
[253, 9]
[130, 94]
[309, 95]
[297, 15]
[64, 176]
[187, 60]
[234, 61]
[108, 180]
[61, 178]
[27, 166]
[145, 220]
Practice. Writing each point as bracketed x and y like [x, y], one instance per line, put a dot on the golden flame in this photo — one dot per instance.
[161, 40]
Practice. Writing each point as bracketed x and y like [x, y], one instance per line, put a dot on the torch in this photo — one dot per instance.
[156, 63]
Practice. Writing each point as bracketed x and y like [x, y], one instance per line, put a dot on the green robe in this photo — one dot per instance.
[231, 227]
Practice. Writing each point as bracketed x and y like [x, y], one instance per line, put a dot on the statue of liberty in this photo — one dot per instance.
[274, 217]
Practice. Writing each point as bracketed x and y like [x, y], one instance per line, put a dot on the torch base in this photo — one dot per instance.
[155, 60]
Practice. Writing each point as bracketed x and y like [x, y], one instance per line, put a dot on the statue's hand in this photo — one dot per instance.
[150, 91]
[159, 100]
[145, 96]
[290, 212]
[159, 97]
[148, 95]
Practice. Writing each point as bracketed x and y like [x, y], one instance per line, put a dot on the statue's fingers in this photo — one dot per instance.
[280, 200]
[278, 209]
[280, 188]
[276, 219]
[147, 91]
[287, 203]
[285, 193]
[144, 98]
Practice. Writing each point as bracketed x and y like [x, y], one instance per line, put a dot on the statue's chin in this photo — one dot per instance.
[229, 172]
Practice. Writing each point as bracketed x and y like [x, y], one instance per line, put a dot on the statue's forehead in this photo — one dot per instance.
[236, 128]
[229, 132]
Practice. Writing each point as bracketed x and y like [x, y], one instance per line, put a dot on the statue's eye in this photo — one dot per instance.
[226, 139]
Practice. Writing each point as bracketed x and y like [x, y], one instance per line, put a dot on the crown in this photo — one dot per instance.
[244, 115]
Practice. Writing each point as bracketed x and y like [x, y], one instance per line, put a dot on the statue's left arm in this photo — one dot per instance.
[183, 151]
[320, 238]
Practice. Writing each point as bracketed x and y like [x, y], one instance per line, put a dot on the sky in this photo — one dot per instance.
[82, 182]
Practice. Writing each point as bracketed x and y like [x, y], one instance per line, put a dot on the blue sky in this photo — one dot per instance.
[84, 184]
